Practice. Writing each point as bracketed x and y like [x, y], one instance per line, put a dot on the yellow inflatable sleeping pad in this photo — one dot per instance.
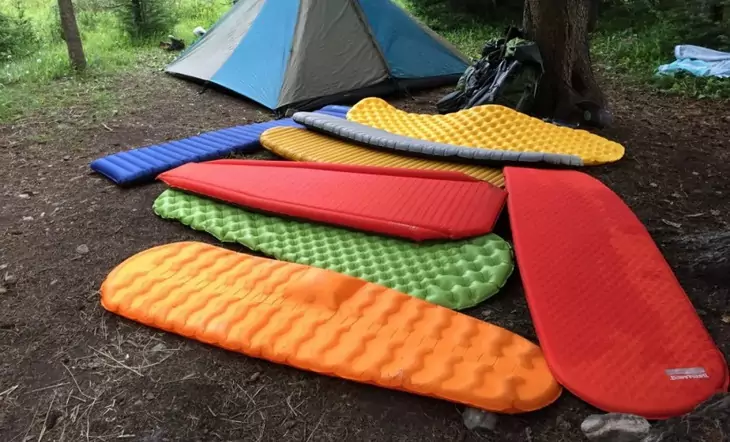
[488, 127]
[304, 145]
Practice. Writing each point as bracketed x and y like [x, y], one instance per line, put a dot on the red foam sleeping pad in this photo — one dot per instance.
[616, 327]
[414, 204]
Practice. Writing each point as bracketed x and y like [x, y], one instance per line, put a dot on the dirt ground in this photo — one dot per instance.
[71, 371]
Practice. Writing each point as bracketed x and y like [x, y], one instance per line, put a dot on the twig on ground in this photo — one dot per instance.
[10, 390]
[63, 432]
[249, 397]
[107, 127]
[314, 430]
[184, 378]
[141, 367]
[75, 382]
[293, 409]
[263, 427]
[211, 411]
[47, 388]
[88, 418]
[259, 390]
[118, 362]
[254, 411]
[45, 421]
[32, 420]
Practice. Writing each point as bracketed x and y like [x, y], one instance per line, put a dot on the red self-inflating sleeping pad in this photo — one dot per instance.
[414, 204]
[616, 327]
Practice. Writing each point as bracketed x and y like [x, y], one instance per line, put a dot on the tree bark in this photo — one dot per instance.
[71, 35]
[568, 89]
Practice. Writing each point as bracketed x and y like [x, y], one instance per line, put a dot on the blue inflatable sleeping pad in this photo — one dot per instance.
[145, 163]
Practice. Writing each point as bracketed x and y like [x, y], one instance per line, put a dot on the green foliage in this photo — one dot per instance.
[632, 39]
[143, 20]
[16, 35]
[636, 36]
[468, 32]
[193, 13]
[698, 24]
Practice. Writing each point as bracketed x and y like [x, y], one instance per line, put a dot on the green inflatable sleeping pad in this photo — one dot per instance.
[454, 274]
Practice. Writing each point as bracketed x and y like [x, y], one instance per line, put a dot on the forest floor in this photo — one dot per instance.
[72, 371]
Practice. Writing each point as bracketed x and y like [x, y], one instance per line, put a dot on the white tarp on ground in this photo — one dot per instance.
[698, 61]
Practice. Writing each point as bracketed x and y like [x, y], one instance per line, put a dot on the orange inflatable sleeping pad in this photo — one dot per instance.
[329, 323]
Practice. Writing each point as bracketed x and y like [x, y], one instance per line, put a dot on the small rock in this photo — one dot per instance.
[159, 347]
[66, 158]
[474, 418]
[696, 173]
[138, 403]
[615, 427]
[24, 196]
[654, 184]
[486, 314]
[27, 218]
[289, 424]
[3, 290]
[149, 396]
[563, 424]
[254, 377]
[10, 279]
[3, 267]
[83, 249]
[726, 318]
[715, 212]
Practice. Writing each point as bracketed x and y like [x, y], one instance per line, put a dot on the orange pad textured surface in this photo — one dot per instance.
[329, 323]
[616, 327]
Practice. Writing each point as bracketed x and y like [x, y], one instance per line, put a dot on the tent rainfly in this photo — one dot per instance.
[307, 53]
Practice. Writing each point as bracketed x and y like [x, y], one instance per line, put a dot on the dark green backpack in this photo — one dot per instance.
[508, 73]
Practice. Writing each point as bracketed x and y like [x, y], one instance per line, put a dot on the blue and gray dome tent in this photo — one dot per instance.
[308, 53]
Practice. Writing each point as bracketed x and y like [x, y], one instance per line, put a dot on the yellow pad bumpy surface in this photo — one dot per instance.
[488, 127]
[305, 145]
[329, 323]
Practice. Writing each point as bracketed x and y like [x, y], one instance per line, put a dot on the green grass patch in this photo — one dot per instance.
[467, 32]
[30, 78]
[630, 43]
[634, 53]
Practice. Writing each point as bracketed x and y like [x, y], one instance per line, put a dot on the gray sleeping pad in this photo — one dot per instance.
[366, 135]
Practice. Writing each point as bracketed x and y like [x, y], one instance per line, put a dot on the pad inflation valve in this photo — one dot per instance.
[454, 274]
[414, 204]
[370, 136]
[490, 126]
[616, 327]
[329, 323]
[303, 145]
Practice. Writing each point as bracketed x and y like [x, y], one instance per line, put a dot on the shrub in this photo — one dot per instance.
[16, 35]
[144, 19]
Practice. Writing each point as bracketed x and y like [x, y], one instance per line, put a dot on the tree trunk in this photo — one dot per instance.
[71, 35]
[568, 89]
